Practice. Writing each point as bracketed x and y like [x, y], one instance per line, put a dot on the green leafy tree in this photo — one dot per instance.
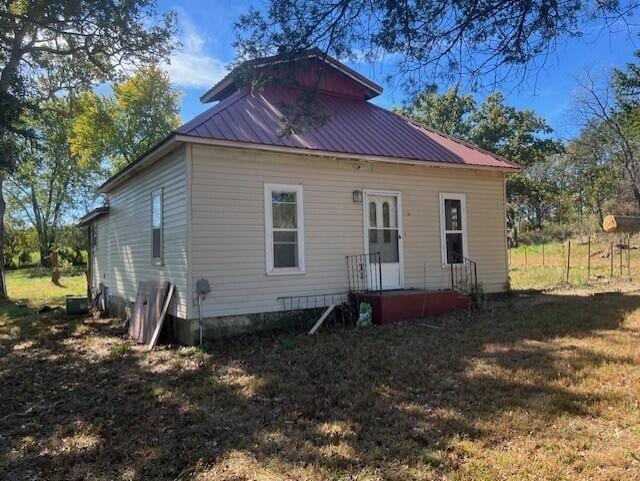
[524, 138]
[20, 243]
[119, 127]
[450, 112]
[48, 46]
[442, 38]
[50, 181]
[518, 135]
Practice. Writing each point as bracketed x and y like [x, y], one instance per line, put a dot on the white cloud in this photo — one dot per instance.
[191, 65]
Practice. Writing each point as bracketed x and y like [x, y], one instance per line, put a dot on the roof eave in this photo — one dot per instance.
[342, 155]
[165, 146]
[88, 218]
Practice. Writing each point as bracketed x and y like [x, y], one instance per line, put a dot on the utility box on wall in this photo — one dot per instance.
[76, 305]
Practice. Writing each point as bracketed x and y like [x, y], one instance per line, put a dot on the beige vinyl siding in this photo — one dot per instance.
[227, 224]
[99, 260]
[127, 254]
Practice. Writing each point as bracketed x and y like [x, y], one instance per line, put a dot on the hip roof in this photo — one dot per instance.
[345, 125]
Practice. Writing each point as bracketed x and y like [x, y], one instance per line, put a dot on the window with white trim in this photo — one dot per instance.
[284, 229]
[157, 224]
[453, 228]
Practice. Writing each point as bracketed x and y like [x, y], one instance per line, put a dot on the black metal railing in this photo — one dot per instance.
[313, 301]
[300, 313]
[464, 276]
[364, 272]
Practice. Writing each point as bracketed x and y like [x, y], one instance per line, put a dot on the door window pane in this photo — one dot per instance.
[454, 248]
[385, 215]
[388, 249]
[452, 214]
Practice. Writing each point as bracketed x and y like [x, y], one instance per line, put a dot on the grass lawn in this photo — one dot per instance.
[34, 286]
[538, 388]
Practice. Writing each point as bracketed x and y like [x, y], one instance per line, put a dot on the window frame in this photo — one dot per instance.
[443, 225]
[271, 270]
[158, 261]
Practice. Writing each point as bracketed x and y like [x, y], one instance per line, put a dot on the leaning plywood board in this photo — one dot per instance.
[138, 311]
[154, 310]
[147, 310]
[163, 314]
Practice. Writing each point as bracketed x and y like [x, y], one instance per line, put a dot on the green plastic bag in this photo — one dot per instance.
[364, 319]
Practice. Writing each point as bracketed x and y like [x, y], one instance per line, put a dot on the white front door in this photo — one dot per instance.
[382, 224]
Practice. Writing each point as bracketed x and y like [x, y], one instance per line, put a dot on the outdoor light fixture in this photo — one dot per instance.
[357, 196]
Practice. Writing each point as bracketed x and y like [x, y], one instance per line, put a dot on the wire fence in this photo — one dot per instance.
[575, 262]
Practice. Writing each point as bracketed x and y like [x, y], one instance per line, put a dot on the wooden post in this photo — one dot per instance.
[629, 255]
[611, 259]
[526, 262]
[543, 255]
[568, 259]
[620, 252]
[588, 258]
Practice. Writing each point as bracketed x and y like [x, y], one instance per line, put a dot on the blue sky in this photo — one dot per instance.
[206, 34]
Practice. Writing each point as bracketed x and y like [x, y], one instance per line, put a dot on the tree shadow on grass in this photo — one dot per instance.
[388, 401]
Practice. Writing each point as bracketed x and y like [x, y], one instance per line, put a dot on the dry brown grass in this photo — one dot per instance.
[529, 389]
[545, 267]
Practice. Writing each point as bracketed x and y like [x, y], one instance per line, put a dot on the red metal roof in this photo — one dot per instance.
[352, 126]
[311, 67]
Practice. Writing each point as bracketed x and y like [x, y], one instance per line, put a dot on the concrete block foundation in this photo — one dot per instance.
[187, 331]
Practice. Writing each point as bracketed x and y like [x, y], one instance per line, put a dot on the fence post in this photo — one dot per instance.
[543, 254]
[620, 252]
[526, 262]
[611, 254]
[568, 259]
[629, 255]
[588, 259]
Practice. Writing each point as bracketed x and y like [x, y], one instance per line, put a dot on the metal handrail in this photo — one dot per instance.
[364, 272]
[464, 275]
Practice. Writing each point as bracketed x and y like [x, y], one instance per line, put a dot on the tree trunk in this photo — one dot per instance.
[3, 205]
[55, 269]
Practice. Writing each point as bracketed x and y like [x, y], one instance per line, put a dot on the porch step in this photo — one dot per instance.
[410, 304]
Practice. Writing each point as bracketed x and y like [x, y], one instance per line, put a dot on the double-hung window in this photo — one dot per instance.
[453, 228]
[284, 229]
[156, 228]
